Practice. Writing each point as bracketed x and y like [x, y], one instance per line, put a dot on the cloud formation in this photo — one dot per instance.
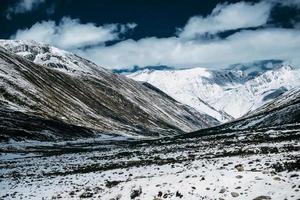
[290, 3]
[71, 34]
[23, 6]
[227, 17]
[184, 49]
[243, 46]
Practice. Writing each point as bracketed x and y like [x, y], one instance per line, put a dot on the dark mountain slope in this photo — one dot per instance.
[75, 91]
[19, 126]
[281, 113]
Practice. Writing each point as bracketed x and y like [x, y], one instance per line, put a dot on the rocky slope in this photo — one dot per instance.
[283, 110]
[281, 113]
[252, 158]
[248, 164]
[52, 84]
[224, 94]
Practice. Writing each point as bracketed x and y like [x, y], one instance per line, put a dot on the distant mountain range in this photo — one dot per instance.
[50, 94]
[137, 68]
[224, 94]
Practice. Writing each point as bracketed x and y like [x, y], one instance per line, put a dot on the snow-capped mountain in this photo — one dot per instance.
[137, 68]
[283, 110]
[282, 113]
[224, 94]
[252, 69]
[45, 82]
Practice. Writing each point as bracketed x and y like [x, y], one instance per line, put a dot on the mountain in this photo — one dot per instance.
[282, 113]
[283, 110]
[137, 68]
[38, 81]
[224, 94]
[252, 69]
[224, 162]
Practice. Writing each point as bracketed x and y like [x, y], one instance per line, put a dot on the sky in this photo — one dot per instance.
[119, 34]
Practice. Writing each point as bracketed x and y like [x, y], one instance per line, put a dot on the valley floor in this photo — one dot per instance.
[237, 165]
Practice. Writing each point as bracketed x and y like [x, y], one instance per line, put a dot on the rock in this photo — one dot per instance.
[111, 184]
[234, 194]
[160, 194]
[118, 197]
[86, 195]
[239, 176]
[239, 167]
[223, 190]
[178, 194]
[136, 193]
[294, 175]
[262, 198]
[276, 178]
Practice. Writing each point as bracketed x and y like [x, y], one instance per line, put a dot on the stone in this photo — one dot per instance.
[239, 176]
[136, 193]
[86, 195]
[223, 190]
[239, 168]
[178, 194]
[234, 194]
[262, 198]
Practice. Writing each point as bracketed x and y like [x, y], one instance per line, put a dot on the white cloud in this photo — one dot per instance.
[88, 40]
[227, 17]
[243, 46]
[71, 34]
[23, 6]
[290, 3]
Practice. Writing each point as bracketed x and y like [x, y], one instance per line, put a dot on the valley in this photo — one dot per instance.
[149, 100]
[72, 130]
[244, 164]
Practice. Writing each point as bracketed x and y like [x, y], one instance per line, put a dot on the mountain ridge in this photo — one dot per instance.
[77, 92]
[280, 114]
[232, 92]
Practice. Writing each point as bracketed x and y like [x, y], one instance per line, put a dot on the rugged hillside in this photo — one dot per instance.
[18, 125]
[248, 164]
[285, 109]
[255, 157]
[283, 113]
[59, 85]
[224, 94]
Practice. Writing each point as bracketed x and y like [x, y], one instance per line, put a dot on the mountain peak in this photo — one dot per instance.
[252, 69]
[52, 57]
[227, 93]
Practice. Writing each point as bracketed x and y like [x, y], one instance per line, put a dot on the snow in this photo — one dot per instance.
[169, 180]
[196, 168]
[222, 94]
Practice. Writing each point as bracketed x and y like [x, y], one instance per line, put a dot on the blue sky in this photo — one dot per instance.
[121, 34]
